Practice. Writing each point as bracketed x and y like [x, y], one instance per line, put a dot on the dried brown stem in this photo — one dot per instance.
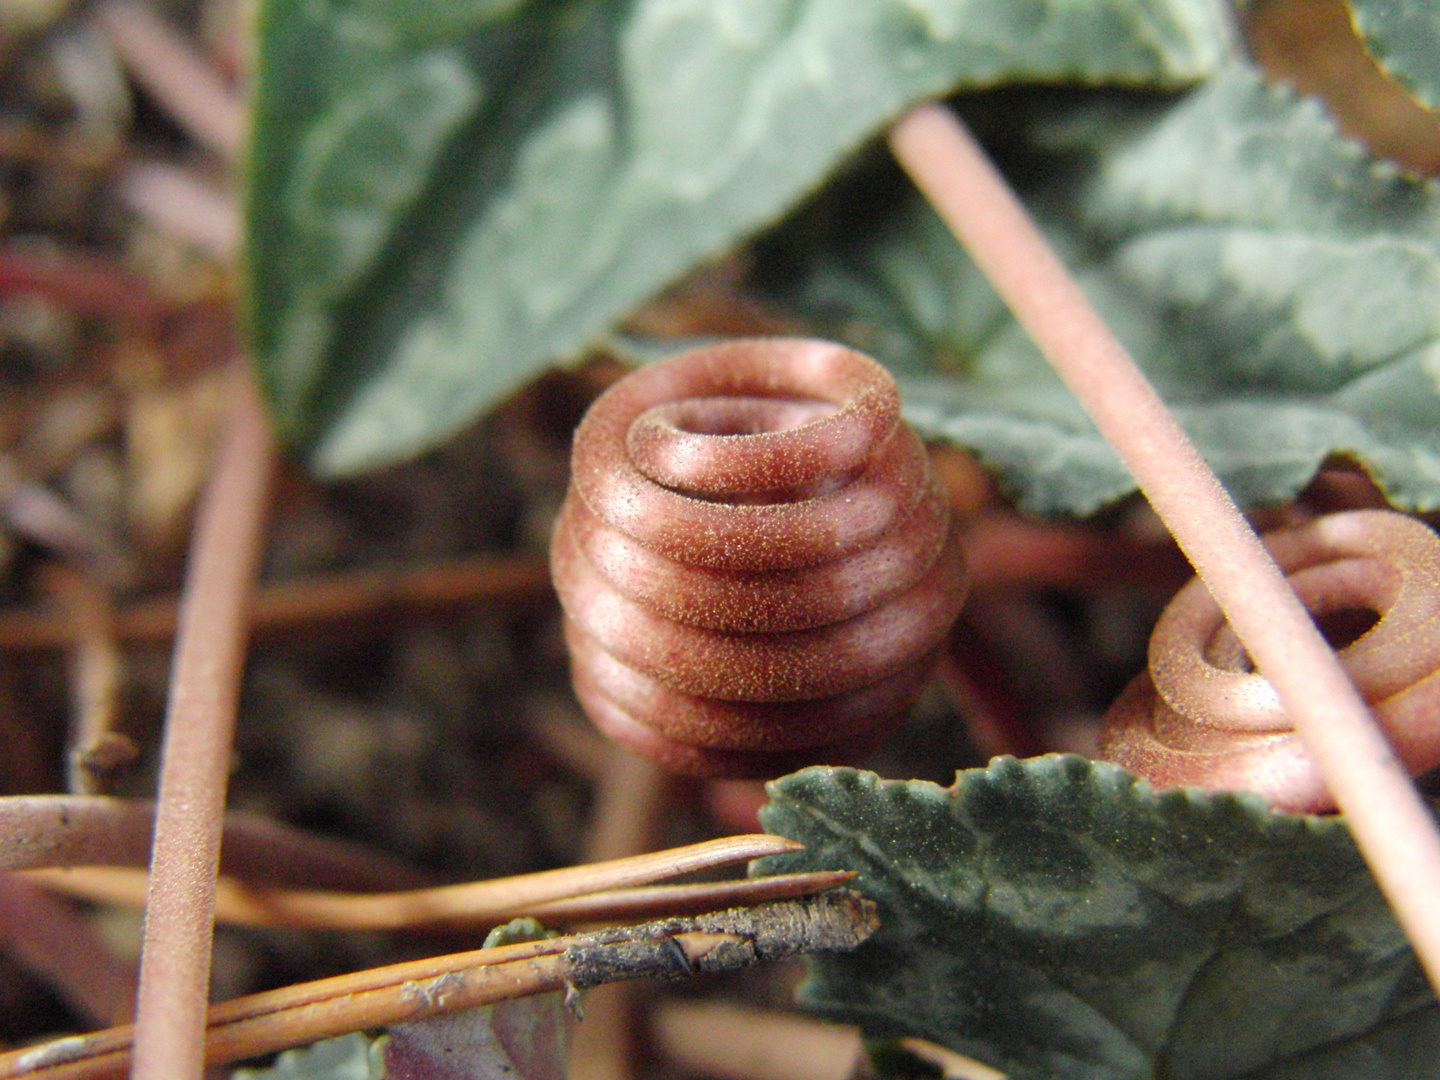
[96, 749]
[199, 729]
[288, 606]
[264, 1023]
[606, 890]
[1387, 816]
[237, 905]
[657, 901]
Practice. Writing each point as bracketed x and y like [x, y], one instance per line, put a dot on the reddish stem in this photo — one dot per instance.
[86, 284]
[199, 728]
[1390, 821]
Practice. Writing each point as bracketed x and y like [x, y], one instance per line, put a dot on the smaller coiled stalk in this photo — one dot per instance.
[1201, 716]
[756, 563]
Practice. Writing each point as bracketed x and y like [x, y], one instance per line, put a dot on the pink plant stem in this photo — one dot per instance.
[200, 723]
[181, 79]
[1389, 820]
[178, 201]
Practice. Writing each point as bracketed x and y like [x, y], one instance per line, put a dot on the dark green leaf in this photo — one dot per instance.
[1280, 288]
[1404, 35]
[1059, 920]
[445, 196]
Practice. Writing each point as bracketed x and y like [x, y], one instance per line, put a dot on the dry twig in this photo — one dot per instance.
[96, 749]
[264, 1023]
[238, 905]
[601, 890]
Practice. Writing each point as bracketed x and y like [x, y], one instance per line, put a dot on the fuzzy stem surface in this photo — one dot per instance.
[199, 729]
[1391, 823]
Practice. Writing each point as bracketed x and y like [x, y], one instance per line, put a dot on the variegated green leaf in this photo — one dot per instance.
[1280, 288]
[445, 196]
[1059, 920]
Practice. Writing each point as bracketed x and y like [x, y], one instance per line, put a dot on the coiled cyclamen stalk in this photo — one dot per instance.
[1201, 716]
[756, 563]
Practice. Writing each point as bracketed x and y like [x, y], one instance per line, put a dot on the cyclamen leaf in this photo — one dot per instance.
[1058, 919]
[1280, 288]
[445, 197]
[1404, 35]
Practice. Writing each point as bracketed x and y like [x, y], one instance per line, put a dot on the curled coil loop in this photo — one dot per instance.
[756, 563]
[1201, 716]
